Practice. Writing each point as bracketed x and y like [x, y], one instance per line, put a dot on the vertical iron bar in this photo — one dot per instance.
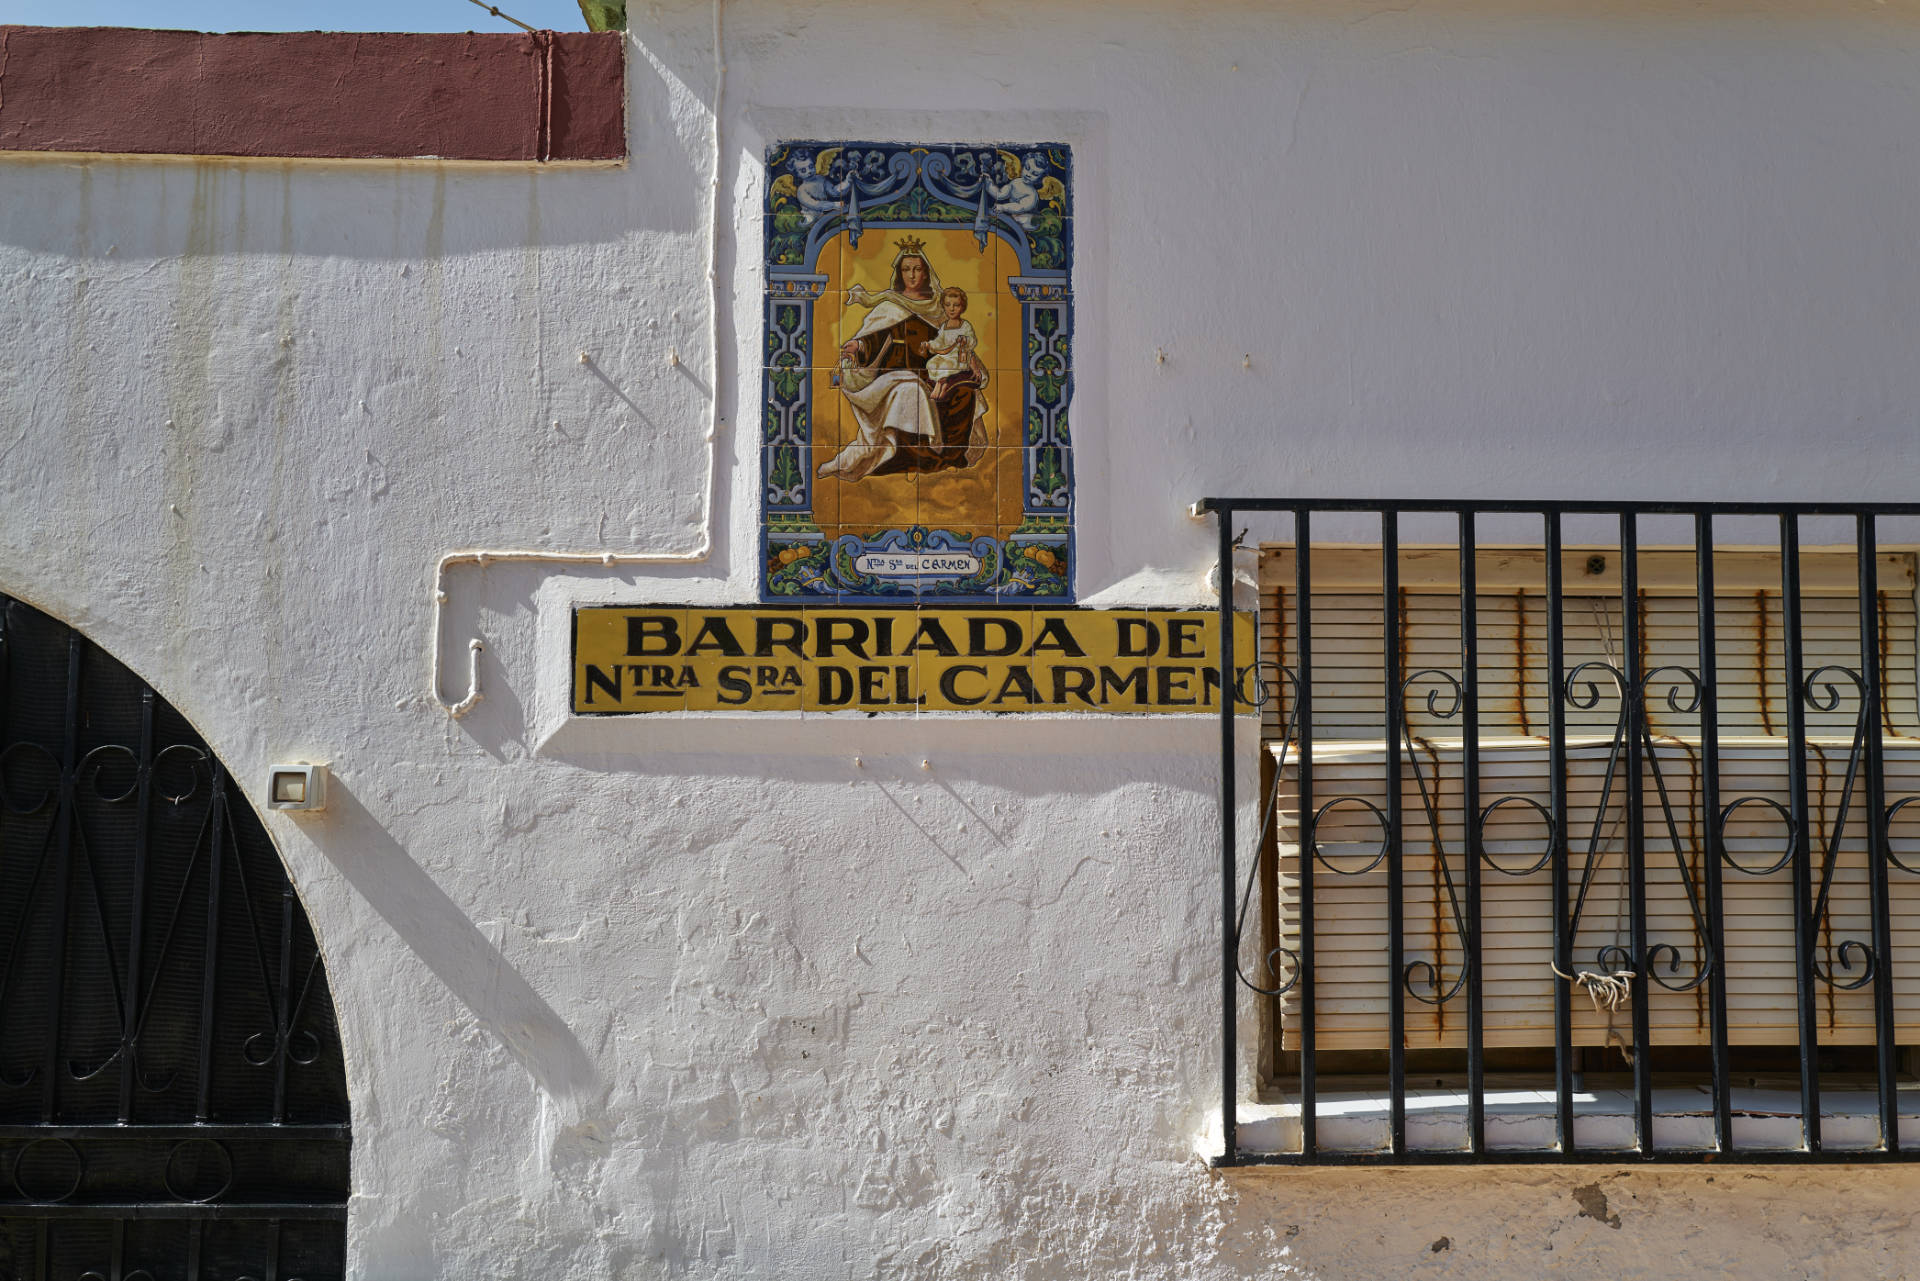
[1563, 1051]
[194, 1235]
[1705, 599]
[1229, 877]
[6, 610]
[64, 818]
[1794, 676]
[1866, 542]
[273, 1250]
[1470, 830]
[1309, 838]
[42, 1265]
[1396, 819]
[1636, 869]
[283, 1013]
[210, 962]
[136, 930]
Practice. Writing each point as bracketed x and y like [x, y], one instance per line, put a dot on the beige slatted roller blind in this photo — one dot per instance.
[1350, 912]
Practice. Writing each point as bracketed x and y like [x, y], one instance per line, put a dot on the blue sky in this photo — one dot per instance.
[293, 15]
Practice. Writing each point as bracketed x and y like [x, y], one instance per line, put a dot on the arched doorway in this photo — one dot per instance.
[173, 1099]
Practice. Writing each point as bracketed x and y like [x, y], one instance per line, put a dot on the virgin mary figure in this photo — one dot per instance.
[908, 421]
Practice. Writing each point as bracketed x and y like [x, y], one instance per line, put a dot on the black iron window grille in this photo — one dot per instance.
[1585, 831]
[173, 1096]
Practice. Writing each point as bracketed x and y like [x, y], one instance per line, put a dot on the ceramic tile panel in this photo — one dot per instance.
[1117, 656]
[867, 657]
[965, 500]
[734, 662]
[1046, 483]
[647, 673]
[919, 321]
[987, 671]
[716, 667]
[826, 418]
[849, 668]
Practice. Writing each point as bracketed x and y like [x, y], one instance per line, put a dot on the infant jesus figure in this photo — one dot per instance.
[950, 353]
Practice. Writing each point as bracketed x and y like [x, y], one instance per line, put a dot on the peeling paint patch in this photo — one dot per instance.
[1593, 1204]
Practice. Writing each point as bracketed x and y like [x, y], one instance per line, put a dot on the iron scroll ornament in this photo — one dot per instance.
[1420, 971]
[134, 1009]
[1265, 692]
[1582, 689]
[1683, 694]
[1820, 692]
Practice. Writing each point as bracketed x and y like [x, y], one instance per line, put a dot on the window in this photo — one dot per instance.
[1734, 907]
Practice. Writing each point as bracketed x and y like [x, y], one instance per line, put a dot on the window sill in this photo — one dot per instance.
[1520, 1117]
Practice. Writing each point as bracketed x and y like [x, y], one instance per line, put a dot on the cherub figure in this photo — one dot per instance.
[1019, 196]
[817, 194]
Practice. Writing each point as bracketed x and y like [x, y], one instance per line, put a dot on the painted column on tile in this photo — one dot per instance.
[919, 373]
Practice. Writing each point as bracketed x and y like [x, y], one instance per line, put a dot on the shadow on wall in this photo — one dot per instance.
[460, 956]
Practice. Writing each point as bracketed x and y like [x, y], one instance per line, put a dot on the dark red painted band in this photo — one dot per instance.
[313, 94]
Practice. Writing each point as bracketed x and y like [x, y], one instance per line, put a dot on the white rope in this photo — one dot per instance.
[1610, 994]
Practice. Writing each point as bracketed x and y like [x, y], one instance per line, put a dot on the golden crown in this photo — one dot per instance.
[911, 245]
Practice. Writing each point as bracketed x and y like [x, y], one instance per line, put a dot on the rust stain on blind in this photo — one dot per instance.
[1760, 638]
[1280, 638]
[1641, 648]
[1823, 923]
[1886, 651]
[1690, 859]
[1406, 654]
[1436, 881]
[1522, 651]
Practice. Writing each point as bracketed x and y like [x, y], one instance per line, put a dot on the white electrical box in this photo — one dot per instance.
[298, 786]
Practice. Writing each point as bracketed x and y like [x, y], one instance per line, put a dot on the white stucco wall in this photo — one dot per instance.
[664, 997]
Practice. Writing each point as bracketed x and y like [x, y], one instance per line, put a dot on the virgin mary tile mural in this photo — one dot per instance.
[919, 369]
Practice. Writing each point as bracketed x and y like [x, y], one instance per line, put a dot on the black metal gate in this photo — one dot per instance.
[173, 1100]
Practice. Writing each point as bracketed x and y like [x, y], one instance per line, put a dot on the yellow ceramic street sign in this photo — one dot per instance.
[629, 660]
